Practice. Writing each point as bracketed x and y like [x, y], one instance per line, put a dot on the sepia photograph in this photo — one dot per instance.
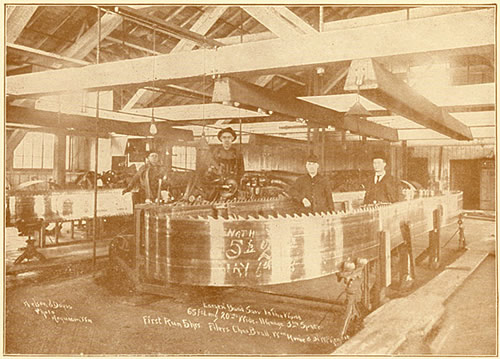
[260, 179]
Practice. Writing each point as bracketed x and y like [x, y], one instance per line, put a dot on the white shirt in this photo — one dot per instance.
[378, 177]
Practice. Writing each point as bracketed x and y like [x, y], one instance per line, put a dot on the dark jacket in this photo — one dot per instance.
[316, 189]
[385, 191]
[147, 179]
[226, 163]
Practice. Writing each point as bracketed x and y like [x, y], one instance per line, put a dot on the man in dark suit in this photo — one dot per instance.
[383, 188]
[312, 190]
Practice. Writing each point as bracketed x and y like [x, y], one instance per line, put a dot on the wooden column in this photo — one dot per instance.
[384, 269]
[60, 159]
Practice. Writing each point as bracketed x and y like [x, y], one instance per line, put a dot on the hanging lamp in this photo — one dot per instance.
[153, 129]
[357, 109]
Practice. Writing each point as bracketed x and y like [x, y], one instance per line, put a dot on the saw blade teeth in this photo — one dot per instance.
[280, 216]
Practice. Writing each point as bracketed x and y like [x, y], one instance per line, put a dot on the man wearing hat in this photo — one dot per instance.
[312, 190]
[149, 179]
[226, 161]
[382, 188]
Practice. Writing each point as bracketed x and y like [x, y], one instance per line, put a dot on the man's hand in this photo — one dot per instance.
[148, 201]
[306, 203]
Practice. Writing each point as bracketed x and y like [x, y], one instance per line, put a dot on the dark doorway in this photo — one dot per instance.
[465, 177]
[418, 172]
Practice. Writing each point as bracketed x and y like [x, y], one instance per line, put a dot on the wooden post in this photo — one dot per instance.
[56, 232]
[384, 269]
[461, 232]
[60, 159]
[42, 235]
[138, 229]
[434, 240]
[406, 262]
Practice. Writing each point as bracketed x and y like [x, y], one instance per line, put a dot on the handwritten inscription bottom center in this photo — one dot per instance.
[247, 321]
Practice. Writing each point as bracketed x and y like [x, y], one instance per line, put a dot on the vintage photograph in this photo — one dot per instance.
[203, 179]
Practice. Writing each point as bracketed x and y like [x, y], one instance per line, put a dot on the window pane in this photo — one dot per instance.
[48, 150]
[18, 161]
[37, 161]
[68, 153]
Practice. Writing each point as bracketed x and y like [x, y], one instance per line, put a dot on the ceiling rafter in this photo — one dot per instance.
[57, 27]
[247, 94]
[278, 20]
[17, 19]
[282, 22]
[87, 42]
[385, 89]
[394, 39]
[201, 26]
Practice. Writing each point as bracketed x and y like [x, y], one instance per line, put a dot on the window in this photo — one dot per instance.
[183, 157]
[36, 150]
[77, 153]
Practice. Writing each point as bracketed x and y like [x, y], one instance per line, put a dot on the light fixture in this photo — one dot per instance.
[357, 110]
[152, 128]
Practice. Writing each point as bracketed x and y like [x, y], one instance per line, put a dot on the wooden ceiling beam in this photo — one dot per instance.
[17, 18]
[57, 27]
[273, 18]
[335, 79]
[296, 20]
[163, 26]
[201, 26]
[88, 41]
[232, 90]
[22, 115]
[46, 58]
[394, 39]
[383, 88]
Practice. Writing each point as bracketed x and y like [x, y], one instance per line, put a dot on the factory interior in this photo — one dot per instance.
[206, 179]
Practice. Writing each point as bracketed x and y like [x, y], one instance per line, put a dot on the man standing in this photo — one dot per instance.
[149, 179]
[312, 190]
[226, 161]
[383, 188]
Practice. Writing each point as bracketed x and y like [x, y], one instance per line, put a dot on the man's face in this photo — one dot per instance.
[378, 165]
[153, 158]
[227, 140]
[312, 168]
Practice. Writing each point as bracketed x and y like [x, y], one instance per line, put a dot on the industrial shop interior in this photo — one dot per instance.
[202, 179]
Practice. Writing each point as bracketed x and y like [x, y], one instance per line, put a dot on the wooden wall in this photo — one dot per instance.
[263, 153]
[476, 181]
[439, 159]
